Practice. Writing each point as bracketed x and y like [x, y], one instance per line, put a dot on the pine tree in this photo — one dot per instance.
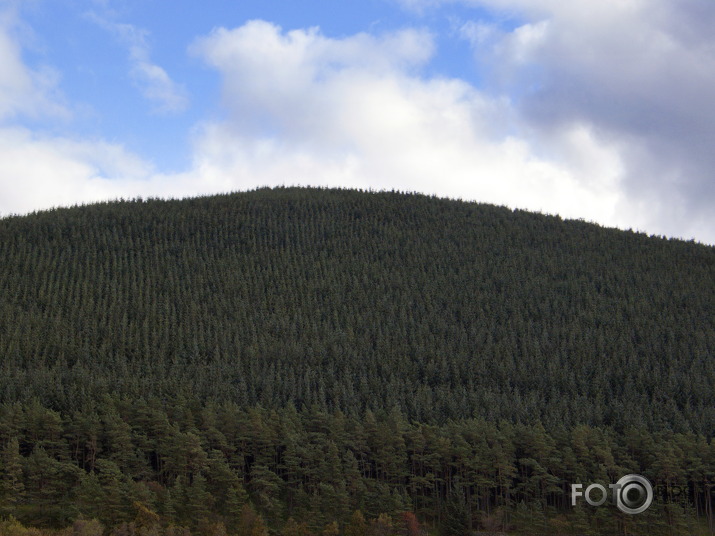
[356, 526]
[90, 498]
[83, 527]
[265, 488]
[236, 498]
[293, 528]
[382, 526]
[115, 507]
[199, 500]
[250, 523]
[146, 520]
[12, 488]
[331, 529]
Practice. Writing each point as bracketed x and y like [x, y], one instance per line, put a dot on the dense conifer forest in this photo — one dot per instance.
[301, 362]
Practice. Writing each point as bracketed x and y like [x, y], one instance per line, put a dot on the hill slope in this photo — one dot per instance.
[355, 301]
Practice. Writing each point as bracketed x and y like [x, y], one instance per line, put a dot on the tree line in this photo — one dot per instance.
[354, 301]
[169, 467]
[415, 362]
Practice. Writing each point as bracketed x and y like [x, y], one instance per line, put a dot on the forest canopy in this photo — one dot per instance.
[455, 361]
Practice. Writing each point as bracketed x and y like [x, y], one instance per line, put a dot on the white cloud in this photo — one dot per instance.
[152, 80]
[312, 110]
[24, 91]
[270, 76]
[638, 74]
[303, 108]
[41, 172]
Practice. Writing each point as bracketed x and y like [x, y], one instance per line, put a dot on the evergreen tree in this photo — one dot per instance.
[225, 363]
[356, 526]
[12, 488]
[251, 523]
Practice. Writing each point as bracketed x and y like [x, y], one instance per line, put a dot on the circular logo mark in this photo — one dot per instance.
[634, 494]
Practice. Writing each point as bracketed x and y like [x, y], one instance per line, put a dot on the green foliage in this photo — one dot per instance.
[12, 488]
[350, 300]
[309, 361]
[251, 523]
[83, 527]
[293, 528]
[12, 527]
[458, 477]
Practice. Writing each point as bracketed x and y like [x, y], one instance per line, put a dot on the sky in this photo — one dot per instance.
[599, 110]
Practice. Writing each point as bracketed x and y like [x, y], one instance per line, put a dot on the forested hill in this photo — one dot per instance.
[347, 300]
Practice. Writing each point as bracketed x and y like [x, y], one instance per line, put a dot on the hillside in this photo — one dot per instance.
[304, 362]
[354, 300]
